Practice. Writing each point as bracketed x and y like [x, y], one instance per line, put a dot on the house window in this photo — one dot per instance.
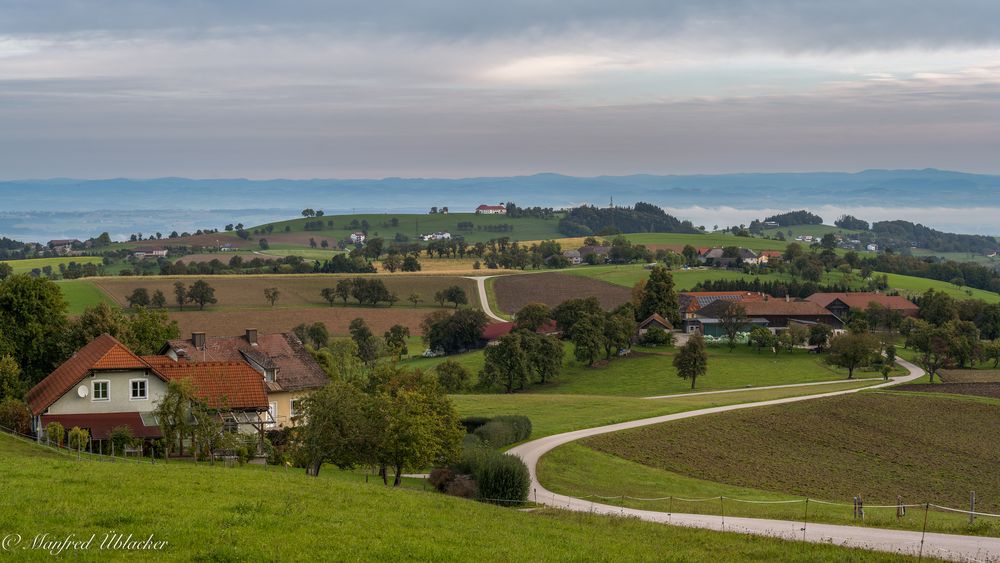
[138, 387]
[272, 409]
[293, 408]
[102, 390]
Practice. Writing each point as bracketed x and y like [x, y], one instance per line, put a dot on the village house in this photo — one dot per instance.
[104, 386]
[573, 256]
[491, 210]
[62, 246]
[842, 304]
[357, 237]
[439, 235]
[717, 257]
[288, 370]
[653, 321]
[690, 302]
[150, 251]
[767, 256]
[771, 312]
[600, 252]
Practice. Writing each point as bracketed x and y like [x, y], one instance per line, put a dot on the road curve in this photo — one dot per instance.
[484, 299]
[946, 546]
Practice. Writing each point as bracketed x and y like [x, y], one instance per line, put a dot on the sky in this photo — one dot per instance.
[327, 89]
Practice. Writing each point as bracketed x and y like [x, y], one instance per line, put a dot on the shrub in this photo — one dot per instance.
[520, 423]
[55, 432]
[78, 438]
[441, 477]
[656, 336]
[453, 376]
[14, 414]
[496, 433]
[461, 486]
[472, 422]
[504, 430]
[502, 479]
[121, 437]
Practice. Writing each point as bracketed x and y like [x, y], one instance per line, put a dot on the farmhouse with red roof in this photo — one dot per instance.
[491, 210]
[104, 385]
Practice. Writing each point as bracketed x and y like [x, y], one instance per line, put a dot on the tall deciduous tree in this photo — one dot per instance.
[32, 325]
[271, 295]
[180, 294]
[506, 364]
[338, 427]
[588, 338]
[365, 340]
[691, 361]
[659, 296]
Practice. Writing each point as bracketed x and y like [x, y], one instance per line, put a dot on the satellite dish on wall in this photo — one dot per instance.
[82, 391]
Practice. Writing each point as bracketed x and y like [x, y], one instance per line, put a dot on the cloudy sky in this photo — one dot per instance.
[300, 89]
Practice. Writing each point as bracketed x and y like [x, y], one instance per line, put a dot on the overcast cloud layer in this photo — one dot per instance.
[334, 89]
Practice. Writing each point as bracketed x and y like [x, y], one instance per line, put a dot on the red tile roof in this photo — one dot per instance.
[861, 300]
[233, 385]
[101, 424]
[656, 318]
[296, 368]
[103, 353]
[770, 307]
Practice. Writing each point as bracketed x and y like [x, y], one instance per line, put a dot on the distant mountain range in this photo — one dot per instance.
[172, 197]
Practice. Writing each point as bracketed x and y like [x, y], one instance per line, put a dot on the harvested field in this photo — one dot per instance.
[514, 292]
[970, 375]
[974, 389]
[295, 290]
[337, 319]
[877, 445]
[223, 257]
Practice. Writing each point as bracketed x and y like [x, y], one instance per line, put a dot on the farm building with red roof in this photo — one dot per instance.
[841, 304]
[104, 385]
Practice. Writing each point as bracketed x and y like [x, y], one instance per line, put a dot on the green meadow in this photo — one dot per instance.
[206, 513]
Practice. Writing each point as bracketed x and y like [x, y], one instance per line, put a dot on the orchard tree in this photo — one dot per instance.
[365, 340]
[271, 294]
[180, 294]
[344, 289]
[138, 298]
[506, 364]
[395, 340]
[329, 295]
[158, 300]
[533, 316]
[852, 351]
[202, 294]
[691, 361]
[338, 427]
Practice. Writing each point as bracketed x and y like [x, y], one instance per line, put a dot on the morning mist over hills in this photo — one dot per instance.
[61, 207]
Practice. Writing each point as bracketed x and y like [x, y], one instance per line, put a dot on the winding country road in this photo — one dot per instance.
[484, 299]
[946, 546]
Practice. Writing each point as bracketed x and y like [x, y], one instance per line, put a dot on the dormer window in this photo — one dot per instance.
[269, 375]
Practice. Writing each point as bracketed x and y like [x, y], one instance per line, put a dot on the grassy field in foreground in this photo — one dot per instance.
[876, 445]
[218, 514]
[554, 414]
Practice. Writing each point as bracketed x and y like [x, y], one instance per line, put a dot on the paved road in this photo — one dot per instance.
[945, 546]
[484, 299]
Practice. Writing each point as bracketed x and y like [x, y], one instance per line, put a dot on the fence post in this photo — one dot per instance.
[805, 520]
[670, 509]
[923, 533]
[972, 508]
[722, 503]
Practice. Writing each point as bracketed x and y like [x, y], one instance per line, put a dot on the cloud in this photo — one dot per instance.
[313, 88]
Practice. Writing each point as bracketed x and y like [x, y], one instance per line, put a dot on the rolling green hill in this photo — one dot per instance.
[207, 513]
